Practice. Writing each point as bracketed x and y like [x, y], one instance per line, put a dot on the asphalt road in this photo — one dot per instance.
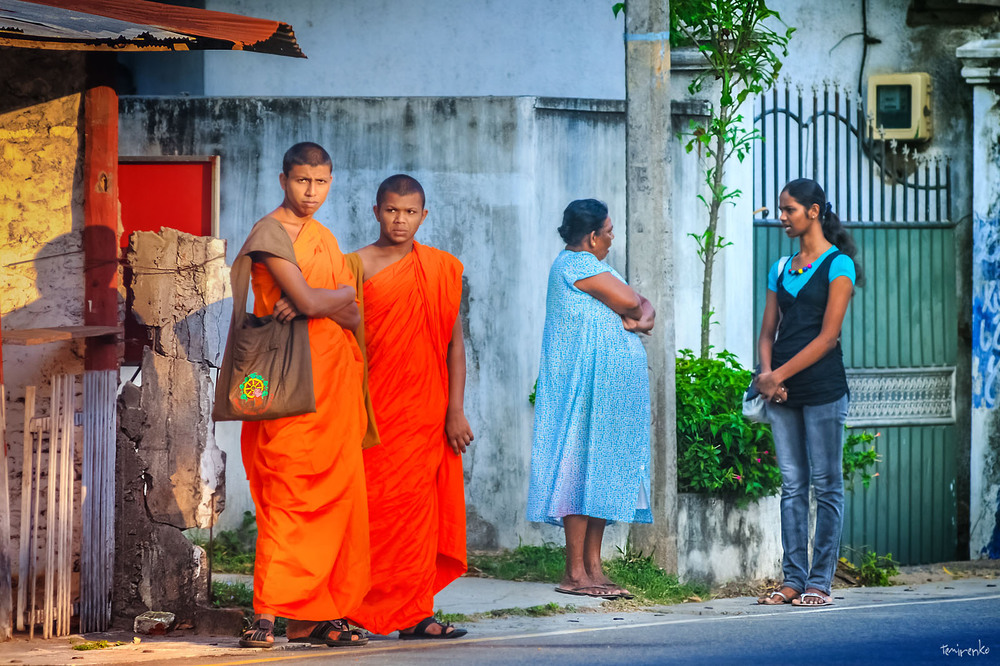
[928, 624]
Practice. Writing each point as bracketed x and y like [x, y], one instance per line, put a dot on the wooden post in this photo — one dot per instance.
[100, 210]
[649, 249]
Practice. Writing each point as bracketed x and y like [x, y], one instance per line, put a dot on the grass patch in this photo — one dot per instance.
[543, 564]
[96, 645]
[635, 571]
[649, 583]
[543, 610]
[452, 618]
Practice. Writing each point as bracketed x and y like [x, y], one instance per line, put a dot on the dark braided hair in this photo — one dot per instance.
[581, 218]
[808, 192]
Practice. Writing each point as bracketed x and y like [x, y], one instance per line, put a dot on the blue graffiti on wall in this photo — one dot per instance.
[985, 312]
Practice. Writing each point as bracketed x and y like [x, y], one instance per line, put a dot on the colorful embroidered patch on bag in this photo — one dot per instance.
[253, 387]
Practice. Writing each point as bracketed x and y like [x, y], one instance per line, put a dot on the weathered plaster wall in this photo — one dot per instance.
[41, 223]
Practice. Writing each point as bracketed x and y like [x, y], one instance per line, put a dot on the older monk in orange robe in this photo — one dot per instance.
[306, 472]
[416, 366]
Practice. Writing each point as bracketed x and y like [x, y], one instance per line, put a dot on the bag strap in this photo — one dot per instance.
[269, 236]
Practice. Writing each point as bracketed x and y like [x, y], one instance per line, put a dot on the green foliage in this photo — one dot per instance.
[719, 451]
[859, 461]
[640, 575]
[544, 563]
[876, 570]
[233, 551]
[533, 394]
[231, 595]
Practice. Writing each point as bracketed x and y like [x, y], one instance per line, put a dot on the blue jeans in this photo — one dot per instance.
[809, 442]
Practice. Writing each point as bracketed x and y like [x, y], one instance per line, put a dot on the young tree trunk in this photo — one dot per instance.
[711, 246]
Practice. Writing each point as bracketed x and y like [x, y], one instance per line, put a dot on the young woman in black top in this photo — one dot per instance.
[802, 374]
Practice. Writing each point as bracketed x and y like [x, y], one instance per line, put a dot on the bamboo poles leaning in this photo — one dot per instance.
[97, 541]
[59, 430]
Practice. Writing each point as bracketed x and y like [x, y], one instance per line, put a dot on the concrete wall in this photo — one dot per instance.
[41, 230]
[720, 542]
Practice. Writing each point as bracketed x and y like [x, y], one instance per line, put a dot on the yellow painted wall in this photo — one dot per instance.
[41, 224]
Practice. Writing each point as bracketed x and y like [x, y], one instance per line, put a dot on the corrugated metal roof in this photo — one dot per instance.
[137, 25]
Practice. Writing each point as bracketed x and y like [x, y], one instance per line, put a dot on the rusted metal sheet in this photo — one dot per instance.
[138, 25]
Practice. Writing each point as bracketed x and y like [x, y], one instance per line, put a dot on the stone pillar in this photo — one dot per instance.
[650, 247]
[981, 60]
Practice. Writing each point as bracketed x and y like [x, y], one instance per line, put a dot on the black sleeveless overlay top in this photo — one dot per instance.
[801, 322]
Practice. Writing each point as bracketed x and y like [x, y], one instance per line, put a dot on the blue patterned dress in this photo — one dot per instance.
[590, 454]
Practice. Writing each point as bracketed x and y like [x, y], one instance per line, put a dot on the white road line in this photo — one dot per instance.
[370, 649]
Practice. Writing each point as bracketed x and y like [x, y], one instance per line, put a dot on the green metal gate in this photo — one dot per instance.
[899, 337]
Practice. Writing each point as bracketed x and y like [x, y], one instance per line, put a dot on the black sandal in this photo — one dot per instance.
[320, 635]
[420, 631]
[256, 636]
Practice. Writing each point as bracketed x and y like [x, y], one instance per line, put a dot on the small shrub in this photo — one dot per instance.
[876, 570]
[231, 595]
[719, 451]
[232, 551]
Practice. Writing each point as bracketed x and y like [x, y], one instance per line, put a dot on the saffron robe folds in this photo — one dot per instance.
[306, 472]
[416, 494]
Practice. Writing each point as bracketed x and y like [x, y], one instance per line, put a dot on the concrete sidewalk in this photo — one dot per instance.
[467, 596]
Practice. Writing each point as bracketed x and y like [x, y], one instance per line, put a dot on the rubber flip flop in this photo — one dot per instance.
[766, 600]
[824, 600]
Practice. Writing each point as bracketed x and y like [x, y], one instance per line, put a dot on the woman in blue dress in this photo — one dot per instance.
[802, 374]
[590, 453]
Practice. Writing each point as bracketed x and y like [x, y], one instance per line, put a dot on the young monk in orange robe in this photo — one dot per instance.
[306, 472]
[416, 366]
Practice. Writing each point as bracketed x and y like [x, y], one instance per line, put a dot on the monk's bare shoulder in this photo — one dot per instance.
[368, 257]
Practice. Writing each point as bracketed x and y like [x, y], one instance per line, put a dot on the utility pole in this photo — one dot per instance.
[649, 250]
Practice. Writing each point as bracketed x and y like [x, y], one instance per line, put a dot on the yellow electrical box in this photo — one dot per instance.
[899, 106]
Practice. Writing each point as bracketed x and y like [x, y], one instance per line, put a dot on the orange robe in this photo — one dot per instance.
[306, 472]
[416, 495]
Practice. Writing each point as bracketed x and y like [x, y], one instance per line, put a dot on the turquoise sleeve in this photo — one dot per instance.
[842, 265]
[772, 275]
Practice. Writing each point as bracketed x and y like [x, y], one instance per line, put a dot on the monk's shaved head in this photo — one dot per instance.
[402, 185]
[306, 153]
